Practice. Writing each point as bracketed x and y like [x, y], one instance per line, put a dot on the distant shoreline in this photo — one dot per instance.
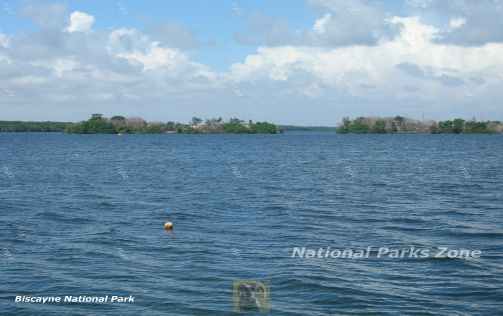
[98, 124]
[403, 125]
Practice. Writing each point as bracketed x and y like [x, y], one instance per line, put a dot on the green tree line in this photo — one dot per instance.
[21, 126]
[119, 124]
[399, 124]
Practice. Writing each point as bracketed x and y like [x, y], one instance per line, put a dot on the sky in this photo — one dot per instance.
[303, 62]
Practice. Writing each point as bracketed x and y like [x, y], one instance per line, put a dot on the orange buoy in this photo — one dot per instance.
[168, 226]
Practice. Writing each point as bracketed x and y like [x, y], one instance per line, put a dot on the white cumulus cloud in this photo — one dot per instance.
[4, 40]
[320, 24]
[457, 23]
[413, 57]
[138, 49]
[80, 22]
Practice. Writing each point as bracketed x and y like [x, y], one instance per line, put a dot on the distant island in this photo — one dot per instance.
[98, 124]
[399, 124]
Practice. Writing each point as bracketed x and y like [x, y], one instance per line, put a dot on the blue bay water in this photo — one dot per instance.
[84, 214]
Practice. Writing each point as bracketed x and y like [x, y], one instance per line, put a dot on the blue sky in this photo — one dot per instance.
[212, 22]
[308, 62]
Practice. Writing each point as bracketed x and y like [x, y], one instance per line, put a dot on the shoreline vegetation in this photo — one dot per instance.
[400, 124]
[98, 124]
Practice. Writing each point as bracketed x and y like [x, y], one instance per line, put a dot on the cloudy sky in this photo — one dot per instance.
[307, 62]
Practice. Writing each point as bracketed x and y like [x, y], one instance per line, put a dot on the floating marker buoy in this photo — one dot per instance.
[168, 226]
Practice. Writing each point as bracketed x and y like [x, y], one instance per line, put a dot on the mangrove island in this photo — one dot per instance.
[98, 124]
[400, 124]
